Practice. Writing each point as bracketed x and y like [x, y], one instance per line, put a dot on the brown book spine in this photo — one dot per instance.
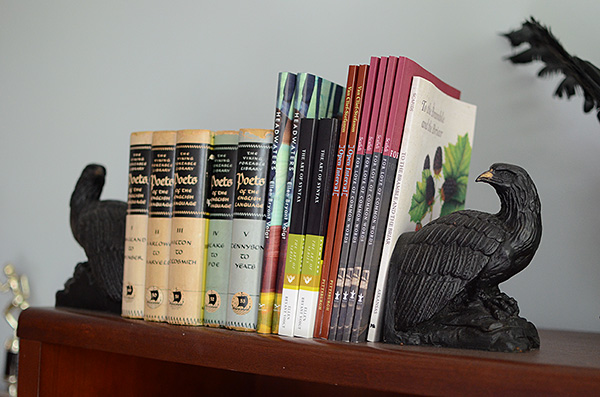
[360, 121]
[335, 195]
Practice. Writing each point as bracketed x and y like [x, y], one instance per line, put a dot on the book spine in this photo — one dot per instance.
[162, 162]
[379, 214]
[308, 99]
[247, 246]
[136, 225]
[371, 206]
[360, 119]
[337, 183]
[298, 220]
[317, 226]
[189, 227]
[407, 69]
[344, 276]
[280, 155]
[345, 208]
[303, 94]
[221, 201]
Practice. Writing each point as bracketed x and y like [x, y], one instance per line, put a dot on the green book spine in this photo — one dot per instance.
[162, 161]
[136, 228]
[249, 219]
[189, 227]
[221, 199]
[297, 231]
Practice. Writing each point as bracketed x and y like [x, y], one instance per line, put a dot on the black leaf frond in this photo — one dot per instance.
[580, 76]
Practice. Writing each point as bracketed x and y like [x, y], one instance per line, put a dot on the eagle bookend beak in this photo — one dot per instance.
[485, 177]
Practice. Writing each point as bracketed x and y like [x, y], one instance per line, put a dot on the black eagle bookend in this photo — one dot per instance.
[99, 227]
[443, 281]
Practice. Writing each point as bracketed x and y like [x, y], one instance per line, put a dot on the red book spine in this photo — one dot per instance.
[369, 127]
[370, 198]
[320, 322]
[337, 184]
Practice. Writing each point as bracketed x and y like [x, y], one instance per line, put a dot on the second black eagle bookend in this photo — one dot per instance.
[443, 280]
[99, 227]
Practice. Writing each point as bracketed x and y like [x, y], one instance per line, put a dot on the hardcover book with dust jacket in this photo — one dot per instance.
[136, 225]
[189, 227]
[249, 218]
[162, 162]
[220, 207]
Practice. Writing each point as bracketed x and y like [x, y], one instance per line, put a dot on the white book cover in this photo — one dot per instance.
[432, 174]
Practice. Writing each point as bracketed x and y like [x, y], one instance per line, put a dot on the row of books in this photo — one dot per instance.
[291, 230]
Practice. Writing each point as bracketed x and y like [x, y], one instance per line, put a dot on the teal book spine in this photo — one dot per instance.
[247, 236]
[220, 203]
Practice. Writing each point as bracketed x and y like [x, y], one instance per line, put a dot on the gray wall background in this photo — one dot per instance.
[77, 77]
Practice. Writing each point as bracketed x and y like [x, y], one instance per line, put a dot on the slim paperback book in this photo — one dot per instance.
[316, 226]
[432, 173]
[406, 69]
[338, 177]
[280, 155]
[361, 116]
[298, 221]
[316, 98]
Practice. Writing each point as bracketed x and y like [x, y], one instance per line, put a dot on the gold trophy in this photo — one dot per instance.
[19, 286]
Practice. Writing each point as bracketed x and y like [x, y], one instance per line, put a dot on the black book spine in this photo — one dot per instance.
[368, 278]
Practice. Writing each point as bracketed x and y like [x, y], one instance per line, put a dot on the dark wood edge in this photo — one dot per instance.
[570, 364]
[30, 353]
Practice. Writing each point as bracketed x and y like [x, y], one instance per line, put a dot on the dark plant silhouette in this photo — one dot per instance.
[580, 76]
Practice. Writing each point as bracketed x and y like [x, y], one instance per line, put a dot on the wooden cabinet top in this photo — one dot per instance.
[566, 363]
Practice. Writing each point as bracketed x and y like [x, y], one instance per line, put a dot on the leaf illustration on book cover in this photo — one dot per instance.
[456, 175]
[423, 198]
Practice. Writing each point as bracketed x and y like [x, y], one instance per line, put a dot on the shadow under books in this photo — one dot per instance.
[443, 281]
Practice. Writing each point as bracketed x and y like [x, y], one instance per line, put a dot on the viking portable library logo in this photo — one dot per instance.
[241, 303]
[154, 296]
[176, 298]
[213, 301]
[129, 292]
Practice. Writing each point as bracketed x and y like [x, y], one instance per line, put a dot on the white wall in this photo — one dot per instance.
[77, 77]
